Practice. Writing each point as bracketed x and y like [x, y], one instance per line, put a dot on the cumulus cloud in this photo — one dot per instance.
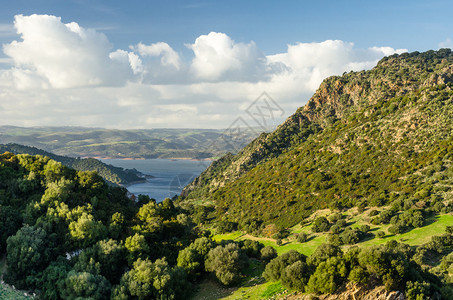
[64, 74]
[65, 55]
[169, 57]
[310, 63]
[217, 57]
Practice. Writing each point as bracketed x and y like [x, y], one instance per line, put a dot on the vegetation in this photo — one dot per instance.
[353, 189]
[370, 138]
[71, 235]
[111, 174]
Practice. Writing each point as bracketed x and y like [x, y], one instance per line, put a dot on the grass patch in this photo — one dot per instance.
[416, 236]
[273, 289]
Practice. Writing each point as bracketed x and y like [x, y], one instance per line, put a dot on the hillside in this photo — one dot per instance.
[112, 143]
[366, 138]
[67, 235]
[111, 174]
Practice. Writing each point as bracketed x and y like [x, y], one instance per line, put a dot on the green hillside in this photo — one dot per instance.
[112, 174]
[367, 138]
[352, 193]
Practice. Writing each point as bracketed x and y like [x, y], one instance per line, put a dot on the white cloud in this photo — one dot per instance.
[66, 55]
[130, 58]
[64, 74]
[168, 56]
[310, 63]
[448, 43]
[217, 57]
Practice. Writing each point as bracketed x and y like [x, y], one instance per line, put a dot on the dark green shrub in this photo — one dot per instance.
[321, 224]
[268, 253]
[275, 267]
[295, 276]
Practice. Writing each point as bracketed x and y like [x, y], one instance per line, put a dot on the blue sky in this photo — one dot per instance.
[193, 64]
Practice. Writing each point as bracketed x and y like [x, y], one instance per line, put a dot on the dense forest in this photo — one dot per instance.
[68, 235]
[111, 174]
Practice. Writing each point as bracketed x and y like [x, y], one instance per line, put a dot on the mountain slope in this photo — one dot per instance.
[365, 138]
[112, 174]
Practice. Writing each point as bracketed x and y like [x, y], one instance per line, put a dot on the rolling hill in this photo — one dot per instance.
[366, 138]
[140, 143]
[111, 174]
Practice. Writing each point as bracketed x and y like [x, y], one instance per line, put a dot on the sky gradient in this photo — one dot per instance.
[148, 64]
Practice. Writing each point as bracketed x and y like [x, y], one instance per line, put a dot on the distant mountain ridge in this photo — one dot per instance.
[114, 175]
[133, 143]
[364, 138]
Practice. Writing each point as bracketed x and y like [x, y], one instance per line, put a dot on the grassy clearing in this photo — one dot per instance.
[416, 236]
[435, 226]
[253, 285]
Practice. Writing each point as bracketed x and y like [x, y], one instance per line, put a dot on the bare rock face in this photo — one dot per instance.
[353, 292]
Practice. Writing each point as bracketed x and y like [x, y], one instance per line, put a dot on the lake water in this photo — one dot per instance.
[169, 176]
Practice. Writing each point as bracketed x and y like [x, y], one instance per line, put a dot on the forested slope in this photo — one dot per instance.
[112, 174]
[364, 139]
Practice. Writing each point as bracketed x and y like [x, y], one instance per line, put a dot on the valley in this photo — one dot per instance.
[351, 195]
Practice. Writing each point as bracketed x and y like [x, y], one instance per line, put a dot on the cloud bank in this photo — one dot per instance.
[65, 74]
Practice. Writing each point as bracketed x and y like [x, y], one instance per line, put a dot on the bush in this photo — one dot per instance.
[226, 262]
[251, 248]
[335, 229]
[397, 228]
[302, 237]
[364, 228]
[275, 267]
[226, 226]
[295, 276]
[380, 234]
[341, 223]
[328, 276]
[323, 253]
[321, 224]
[268, 253]
[373, 213]
[335, 217]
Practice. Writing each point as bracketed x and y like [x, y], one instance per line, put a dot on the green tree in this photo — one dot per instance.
[137, 247]
[321, 224]
[106, 257]
[10, 222]
[268, 253]
[226, 262]
[328, 276]
[85, 285]
[275, 267]
[86, 230]
[52, 280]
[296, 275]
[28, 253]
[147, 280]
[323, 253]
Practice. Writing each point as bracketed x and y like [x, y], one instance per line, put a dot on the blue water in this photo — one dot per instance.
[169, 176]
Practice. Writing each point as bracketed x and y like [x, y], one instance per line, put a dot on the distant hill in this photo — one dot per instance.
[114, 175]
[112, 143]
[365, 138]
